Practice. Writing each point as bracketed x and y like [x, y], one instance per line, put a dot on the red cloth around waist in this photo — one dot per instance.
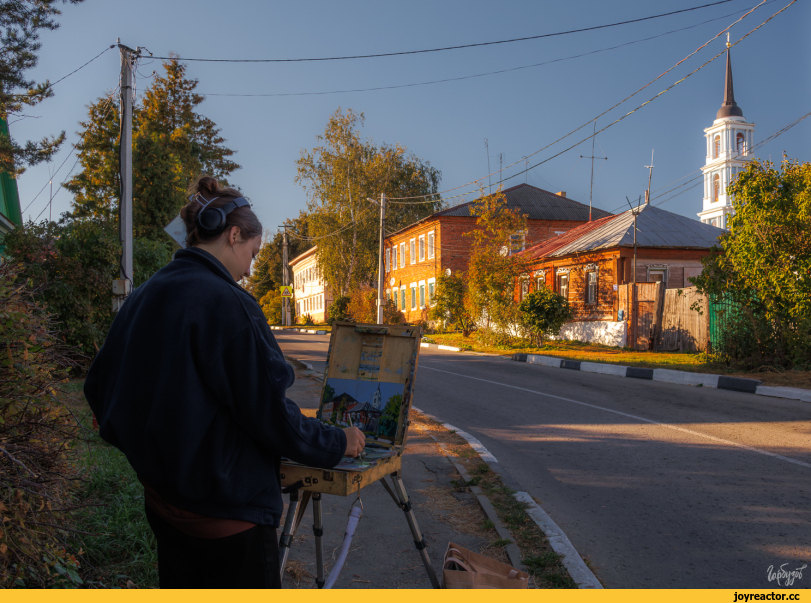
[190, 523]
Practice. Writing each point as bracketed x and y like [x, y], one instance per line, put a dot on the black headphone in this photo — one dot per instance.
[212, 219]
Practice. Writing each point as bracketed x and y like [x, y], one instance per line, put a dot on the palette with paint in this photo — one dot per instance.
[368, 384]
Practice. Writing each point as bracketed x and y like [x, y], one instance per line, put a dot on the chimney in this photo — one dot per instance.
[561, 193]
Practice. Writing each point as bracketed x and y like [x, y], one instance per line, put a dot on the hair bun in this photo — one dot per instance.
[207, 186]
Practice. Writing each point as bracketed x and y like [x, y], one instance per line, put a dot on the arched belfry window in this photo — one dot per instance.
[740, 144]
[716, 187]
[716, 147]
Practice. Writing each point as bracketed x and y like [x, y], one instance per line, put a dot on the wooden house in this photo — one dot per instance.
[591, 263]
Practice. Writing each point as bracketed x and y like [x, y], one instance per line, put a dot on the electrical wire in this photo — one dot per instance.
[63, 77]
[64, 161]
[755, 146]
[458, 47]
[623, 101]
[477, 75]
[357, 219]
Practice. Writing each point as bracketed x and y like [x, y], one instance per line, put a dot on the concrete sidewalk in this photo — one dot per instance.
[383, 554]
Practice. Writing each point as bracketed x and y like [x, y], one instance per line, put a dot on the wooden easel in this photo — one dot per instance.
[374, 353]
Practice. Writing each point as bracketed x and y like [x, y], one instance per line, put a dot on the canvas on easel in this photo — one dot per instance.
[368, 384]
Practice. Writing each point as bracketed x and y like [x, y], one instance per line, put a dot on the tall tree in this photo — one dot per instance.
[493, 268]
[339, 177]
[21, 22]
[266, 273]
[172, 144]
[763, 266]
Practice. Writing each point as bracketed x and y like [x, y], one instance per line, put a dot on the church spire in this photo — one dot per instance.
[730, 108]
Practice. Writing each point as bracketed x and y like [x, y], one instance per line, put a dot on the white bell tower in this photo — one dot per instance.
[729, 141]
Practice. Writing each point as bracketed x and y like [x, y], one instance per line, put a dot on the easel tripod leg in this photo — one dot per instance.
[295, 511]
[286, 538]
[419, 541]
[318, 532]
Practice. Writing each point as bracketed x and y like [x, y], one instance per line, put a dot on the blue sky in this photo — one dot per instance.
[518, 112]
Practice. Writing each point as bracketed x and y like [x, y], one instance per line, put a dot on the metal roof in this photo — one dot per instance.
[536, 203]
[655, 227]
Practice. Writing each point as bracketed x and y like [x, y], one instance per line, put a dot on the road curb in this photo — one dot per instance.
[308, 331]
[560, 543]
[436, 346]
[735, 384]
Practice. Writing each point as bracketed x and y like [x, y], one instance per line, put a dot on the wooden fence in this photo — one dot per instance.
[663, 319]
[683, 328]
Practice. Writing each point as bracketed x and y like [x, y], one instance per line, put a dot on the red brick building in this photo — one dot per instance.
[416, 255]
[587, 264]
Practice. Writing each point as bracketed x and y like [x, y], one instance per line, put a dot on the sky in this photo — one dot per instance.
[518, 111]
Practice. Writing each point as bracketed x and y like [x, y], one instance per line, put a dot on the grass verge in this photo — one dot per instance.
[593, 352]
[543, 563]
[120, 549]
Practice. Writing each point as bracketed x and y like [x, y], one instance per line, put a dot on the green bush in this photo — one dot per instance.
[338, 310]
[36, 436]
[543, 313]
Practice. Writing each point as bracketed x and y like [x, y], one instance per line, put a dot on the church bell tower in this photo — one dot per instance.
[729, 141]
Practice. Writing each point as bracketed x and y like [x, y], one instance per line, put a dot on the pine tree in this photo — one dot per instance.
[172, 144]
[20, 24]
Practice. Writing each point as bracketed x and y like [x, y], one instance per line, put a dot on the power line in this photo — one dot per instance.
[63, 77]
[750, 11]
[477, 44]
[755, 146]
[477, 75]
[64, 161]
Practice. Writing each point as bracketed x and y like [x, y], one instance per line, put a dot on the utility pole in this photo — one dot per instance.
[285, 280]
[633, 296]
[381, 266]
[489, 182]
[122, 287]
[592, 157]
[650, 175]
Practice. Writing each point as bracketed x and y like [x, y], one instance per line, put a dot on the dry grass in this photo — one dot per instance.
[543, 563]
[592, 352]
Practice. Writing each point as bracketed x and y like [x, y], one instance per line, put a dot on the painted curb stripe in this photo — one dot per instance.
[560, 543]
[738, 384]
[639, 373]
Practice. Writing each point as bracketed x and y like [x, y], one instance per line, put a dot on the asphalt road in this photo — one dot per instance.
[659, 485]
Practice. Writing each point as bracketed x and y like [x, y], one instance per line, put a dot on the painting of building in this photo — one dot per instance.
[374, 407]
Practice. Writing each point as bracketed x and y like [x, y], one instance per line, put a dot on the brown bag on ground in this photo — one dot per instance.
[463, 568]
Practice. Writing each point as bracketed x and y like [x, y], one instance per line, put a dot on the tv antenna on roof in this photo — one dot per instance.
[592, 157]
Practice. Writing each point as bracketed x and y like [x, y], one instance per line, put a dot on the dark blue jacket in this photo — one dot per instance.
[190, 385]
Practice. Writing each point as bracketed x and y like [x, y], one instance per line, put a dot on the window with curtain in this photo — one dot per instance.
[430, 244]
[422, 248]
[412, 244]
[413, 297]
[563, 285]
[591, 287]
[402, 255]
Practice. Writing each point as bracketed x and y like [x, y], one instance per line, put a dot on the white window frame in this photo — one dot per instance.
[402, 255]
[421, 247]
[413, 291]
[430, 241]
[412, 251]
[431, 298]
[394, 257]
[388, 260]
[402, 304]
[422, 300]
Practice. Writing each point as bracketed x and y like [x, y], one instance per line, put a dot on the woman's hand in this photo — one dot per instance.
[355, 441]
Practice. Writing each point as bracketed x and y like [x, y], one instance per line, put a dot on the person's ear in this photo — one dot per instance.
[233, 236]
